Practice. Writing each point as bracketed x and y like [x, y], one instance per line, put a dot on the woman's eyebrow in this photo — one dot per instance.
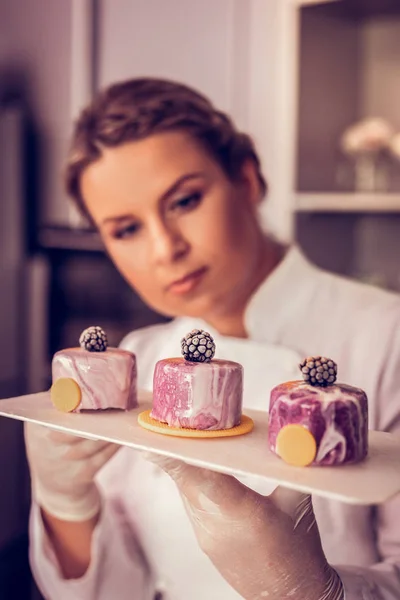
[175, 186]
[178, 183]
[117, 219]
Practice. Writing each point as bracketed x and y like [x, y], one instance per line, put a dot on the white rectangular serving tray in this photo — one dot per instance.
[371, 482]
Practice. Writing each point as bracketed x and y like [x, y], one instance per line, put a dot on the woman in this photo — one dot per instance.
[174, 190]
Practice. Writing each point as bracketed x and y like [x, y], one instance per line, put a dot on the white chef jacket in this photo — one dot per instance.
[144, 541]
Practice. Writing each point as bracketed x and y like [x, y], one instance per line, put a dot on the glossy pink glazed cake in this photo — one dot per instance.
[107, 378]
[335, 414]
[198, 395]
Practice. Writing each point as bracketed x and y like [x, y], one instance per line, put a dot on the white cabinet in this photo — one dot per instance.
[349, 52]
[348, 57]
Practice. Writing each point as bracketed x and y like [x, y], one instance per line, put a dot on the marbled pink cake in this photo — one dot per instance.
[106, 379]
[336, 415]
[198, 395]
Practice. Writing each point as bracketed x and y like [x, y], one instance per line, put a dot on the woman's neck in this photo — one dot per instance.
[232, 323]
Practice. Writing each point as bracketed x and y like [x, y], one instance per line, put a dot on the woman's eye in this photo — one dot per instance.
[186, 202]
[126, 232]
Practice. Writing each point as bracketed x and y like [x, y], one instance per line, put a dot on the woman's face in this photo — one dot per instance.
[181, 233]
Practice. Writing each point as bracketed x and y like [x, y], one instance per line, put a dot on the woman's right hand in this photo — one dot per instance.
[63, 468]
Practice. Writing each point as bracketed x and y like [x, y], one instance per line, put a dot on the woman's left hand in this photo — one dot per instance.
[264, 546]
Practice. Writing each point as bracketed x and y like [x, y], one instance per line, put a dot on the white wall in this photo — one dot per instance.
[191, 42]
[242, 54]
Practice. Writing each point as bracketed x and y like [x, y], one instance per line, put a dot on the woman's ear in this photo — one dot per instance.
[251, 183]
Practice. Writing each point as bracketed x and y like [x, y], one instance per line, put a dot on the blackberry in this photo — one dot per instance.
[318, 370]
[198, 346]
[93, 339]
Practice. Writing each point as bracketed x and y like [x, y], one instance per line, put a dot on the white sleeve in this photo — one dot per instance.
[114, 571]
[118, 568]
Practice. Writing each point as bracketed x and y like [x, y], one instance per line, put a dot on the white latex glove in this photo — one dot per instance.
[63, 468]
[263, 546]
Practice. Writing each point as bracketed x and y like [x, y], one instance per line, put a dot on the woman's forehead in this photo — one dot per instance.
[144, 170]
[172, 154]
[169, 150]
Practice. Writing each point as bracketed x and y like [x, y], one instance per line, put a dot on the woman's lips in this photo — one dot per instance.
[187, 283]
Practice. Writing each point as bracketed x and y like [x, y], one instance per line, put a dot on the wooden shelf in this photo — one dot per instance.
[347, 203]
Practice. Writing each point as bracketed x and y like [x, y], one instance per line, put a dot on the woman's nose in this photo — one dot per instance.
[168, 244]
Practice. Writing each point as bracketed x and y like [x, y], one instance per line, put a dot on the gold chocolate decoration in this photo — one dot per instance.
[296, 445]
[66, 394]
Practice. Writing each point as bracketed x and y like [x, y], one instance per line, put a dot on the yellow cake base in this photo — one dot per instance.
[146, 421]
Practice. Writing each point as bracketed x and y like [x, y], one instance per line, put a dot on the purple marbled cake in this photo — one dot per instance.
[336, 415]
[107, 379]
[198, 395]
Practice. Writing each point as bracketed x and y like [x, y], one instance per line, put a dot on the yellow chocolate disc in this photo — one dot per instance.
[66, 394]
[296, 445]
[147, 422]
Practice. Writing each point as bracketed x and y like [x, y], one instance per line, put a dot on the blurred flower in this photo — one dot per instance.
[370, 135]
[394, 145]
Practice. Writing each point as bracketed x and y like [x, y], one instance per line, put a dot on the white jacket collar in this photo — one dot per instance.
[283, 293]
